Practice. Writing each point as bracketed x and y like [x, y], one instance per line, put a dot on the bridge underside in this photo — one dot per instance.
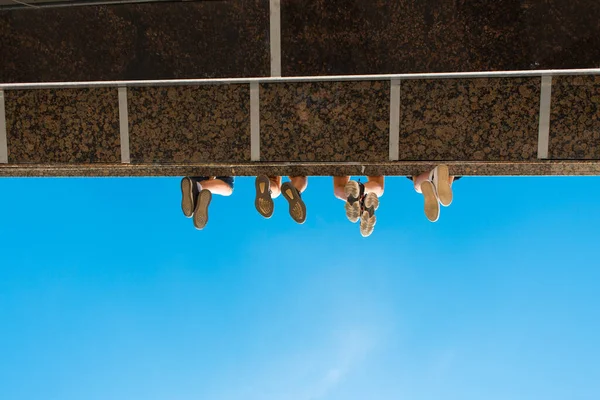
[518, 125]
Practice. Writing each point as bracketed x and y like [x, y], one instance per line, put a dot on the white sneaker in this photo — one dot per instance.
[440, 177]
[432, 204]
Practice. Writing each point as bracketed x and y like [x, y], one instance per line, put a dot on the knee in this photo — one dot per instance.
[299, 182]
[275, 192]
[339, 193]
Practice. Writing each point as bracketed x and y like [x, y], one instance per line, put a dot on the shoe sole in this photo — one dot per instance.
[432, 206]
[444, 190]
[352, 211]
[372, 201]
[201, 211]
[368, 219]
[187, 197]
[297, 207]
[263, 201]
[352, 189]
[367, 224]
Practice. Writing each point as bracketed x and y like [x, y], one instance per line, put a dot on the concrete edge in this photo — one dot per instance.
[404, 168]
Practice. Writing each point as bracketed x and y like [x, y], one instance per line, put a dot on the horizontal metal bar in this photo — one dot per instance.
[26, 4]
[324, 78]
[402, 168]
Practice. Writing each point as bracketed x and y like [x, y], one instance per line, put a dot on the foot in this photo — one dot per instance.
[201, 210]
[353, 191]
[368, 218]
[189, 195]
[263, 201]
[432, 205]
[297, 206]
[440, 177]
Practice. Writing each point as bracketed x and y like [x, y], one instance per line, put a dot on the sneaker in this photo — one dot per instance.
[368, 218]
[263, 201]
[353, 191]
[432, 205]
[189, 195]
[201, 210]
[297, 206]
[440, 177]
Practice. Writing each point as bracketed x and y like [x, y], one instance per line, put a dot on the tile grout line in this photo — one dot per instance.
[3, 137]
[254, 122]
[275, 36]
[394, 119]
[544, 127]
[124, 125]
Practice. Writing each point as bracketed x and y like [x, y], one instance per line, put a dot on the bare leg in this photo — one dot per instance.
[375, 185]
[299, 182]
[216, 186]
[339, 183]
[275, 183]
[419, 179]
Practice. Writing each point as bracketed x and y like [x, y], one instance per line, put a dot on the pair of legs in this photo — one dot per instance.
[436, 188]
[361, 199]
[270, 187]
[196, 195]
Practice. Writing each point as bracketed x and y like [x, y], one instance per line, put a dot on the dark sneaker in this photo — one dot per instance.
[263, 201]
[201, 210]
[353, 191]
[297, 206]
[368, 218]
[189, 194]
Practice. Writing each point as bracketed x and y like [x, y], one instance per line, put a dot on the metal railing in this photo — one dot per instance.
[299, 79]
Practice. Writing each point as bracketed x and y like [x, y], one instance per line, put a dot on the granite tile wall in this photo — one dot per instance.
[329, 37]
[205, 39]
[488, 120]
[476, 119]
[575, 118]
[202, 39]
[63, 126]
[189, 124]
[325, 121]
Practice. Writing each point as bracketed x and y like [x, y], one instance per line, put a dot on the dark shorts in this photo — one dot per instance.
[227, 179]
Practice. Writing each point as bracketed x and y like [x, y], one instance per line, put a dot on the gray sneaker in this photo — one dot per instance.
[201, 210]
[263, 201]
[189, 195]
[297, 206]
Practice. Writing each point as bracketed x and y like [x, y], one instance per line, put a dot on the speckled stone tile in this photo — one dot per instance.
[575, 118]
[325, 121]
[63, 126]
[405, 168]
[189, 123]
[200, 39]
[469, 119]
[329, 37]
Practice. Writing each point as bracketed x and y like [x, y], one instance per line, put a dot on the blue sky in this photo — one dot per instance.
[108, 292]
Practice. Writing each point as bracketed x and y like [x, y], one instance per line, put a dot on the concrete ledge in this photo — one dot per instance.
[405, 168]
